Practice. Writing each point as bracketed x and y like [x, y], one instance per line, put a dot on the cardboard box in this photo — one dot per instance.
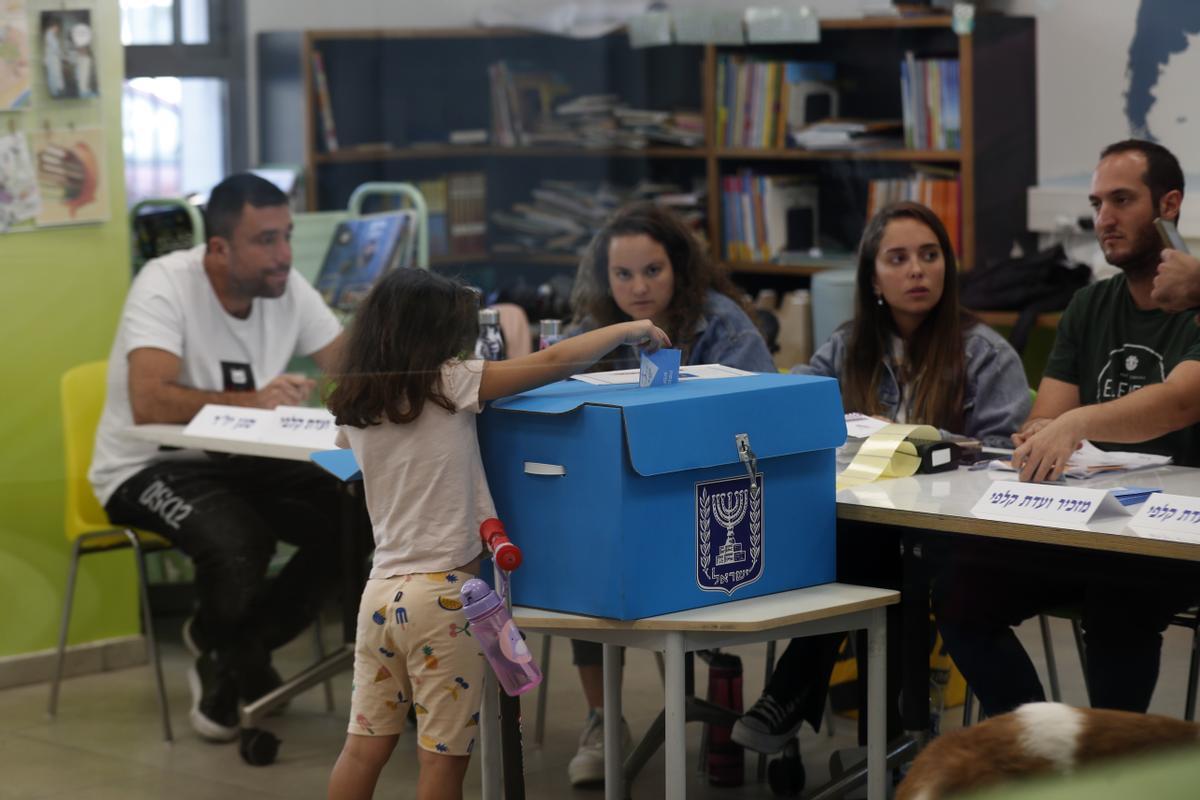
[630, 502]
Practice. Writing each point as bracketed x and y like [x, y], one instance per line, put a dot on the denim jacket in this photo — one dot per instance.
[996, 400]
[723, 335]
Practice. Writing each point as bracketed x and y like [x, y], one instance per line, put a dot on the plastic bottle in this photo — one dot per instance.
[551, 332]
[499, 638]
[490, 344]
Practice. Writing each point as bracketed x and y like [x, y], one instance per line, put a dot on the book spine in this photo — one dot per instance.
[324, 104]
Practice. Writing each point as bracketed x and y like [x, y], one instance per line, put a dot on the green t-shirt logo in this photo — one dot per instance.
[1129, 368]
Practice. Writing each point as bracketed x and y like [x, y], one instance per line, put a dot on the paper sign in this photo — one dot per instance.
[660, 368]
[294, 425]
[1042, 503]
[229, 422]
[301, 425]
[1170, 513]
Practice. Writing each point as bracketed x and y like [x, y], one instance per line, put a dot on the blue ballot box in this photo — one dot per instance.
[629, 502]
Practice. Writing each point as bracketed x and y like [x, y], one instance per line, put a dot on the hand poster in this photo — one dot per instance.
[15, 58]
[70, 174]
[67, 54]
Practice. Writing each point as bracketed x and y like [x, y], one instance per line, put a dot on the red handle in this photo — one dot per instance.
[507, 554]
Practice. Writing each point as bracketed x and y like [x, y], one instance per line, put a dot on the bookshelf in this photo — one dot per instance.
[397, 94]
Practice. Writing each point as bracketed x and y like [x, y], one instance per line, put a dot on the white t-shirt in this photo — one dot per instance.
[172, 306]
[425, 487]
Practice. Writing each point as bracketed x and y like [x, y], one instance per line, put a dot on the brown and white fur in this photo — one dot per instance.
[1036, 739]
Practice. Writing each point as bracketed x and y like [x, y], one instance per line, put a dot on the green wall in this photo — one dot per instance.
[61, 295]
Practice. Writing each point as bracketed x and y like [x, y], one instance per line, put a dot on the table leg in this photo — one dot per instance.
[914, 603]
[614, 753]
[877, 705]
[489, 738]
[675, 748]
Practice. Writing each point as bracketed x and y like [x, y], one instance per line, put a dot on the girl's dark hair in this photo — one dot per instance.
[411, 323]
[934, 357]
[695, 272]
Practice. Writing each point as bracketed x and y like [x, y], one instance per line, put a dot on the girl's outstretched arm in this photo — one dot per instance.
[564, 359]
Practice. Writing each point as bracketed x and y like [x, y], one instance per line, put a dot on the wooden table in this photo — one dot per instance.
[801, 612]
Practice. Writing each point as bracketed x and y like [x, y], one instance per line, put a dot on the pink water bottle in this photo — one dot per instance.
[500, 638]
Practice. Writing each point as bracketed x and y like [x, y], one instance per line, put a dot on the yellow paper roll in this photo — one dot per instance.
[887, 453]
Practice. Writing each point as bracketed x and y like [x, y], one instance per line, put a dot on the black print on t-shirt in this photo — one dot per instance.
[1129, 368]
[237, 377]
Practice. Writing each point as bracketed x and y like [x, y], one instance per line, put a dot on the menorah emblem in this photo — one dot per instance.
[737, 561]
[730, 508]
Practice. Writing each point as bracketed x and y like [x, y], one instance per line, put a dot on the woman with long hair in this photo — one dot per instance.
[911, 354]
[645, 264]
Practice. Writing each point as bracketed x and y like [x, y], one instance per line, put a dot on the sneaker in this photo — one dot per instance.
[768, 725]
[587, 765]
[214, 713]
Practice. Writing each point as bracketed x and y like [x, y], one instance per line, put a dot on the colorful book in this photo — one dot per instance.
[362, 250]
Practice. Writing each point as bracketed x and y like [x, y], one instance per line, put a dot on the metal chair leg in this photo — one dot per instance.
[1189, 713]
[52, 709]
[151, 641]
[539, 731]
[1051, 663]
[1077, 631]
[319, 650]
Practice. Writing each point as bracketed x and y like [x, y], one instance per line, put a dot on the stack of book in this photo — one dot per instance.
[936, 188]
[563, 216]
[759, 102]
[929, 91]
[839, 134]
[529, 109]
[466, 213]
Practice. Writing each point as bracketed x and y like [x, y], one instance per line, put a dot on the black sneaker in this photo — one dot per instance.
[768, 725]
[214, 713]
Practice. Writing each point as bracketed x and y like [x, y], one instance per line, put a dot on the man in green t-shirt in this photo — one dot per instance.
[1123, 374]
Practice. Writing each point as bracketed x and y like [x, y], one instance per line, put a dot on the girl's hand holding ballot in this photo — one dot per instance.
[564, 359]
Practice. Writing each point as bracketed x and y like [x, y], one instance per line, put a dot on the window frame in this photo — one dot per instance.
[223, 57]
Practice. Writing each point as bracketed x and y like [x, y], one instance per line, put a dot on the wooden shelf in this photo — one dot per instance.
[886, 23]
[352, 155]
[751, 153]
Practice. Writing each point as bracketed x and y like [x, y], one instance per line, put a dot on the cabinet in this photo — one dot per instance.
[396, 95]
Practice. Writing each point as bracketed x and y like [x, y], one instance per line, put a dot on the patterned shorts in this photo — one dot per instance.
[412, 648]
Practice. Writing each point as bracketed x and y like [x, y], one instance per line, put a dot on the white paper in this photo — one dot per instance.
[860, 426]
[699, 372]
[1089, 461]
[1042, 503]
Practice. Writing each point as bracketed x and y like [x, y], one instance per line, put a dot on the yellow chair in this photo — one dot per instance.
[87, 525]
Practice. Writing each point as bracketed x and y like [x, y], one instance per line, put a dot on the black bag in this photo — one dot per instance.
[1032, 285]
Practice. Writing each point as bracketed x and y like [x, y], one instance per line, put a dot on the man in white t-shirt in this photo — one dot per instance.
[219, 324]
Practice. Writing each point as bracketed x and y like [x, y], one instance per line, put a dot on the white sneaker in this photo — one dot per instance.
[587, 765]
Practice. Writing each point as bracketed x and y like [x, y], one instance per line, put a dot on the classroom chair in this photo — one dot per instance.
[87, 525]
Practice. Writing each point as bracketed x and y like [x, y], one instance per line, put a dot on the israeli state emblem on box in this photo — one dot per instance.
[729, 533]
